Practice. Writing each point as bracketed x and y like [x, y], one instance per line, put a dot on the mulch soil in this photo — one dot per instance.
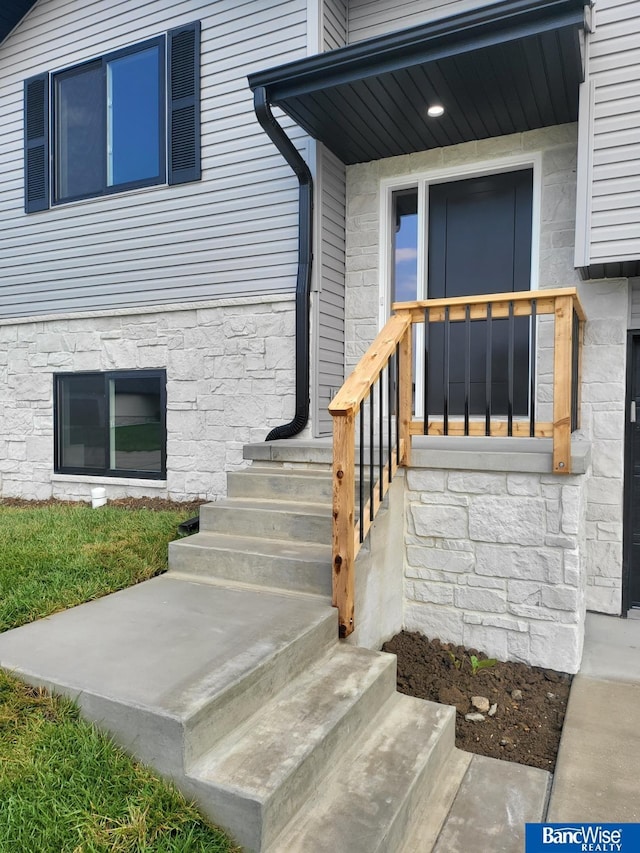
[530, 702]
[154, 504]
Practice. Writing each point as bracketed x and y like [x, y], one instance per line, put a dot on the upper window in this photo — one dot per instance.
[128, 119]
[111, 423]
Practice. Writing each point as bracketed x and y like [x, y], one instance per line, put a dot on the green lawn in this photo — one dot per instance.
[64, 788]
[55, 556]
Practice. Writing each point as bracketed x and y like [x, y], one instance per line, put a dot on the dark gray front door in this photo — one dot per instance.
[632, 537]
[480, 242]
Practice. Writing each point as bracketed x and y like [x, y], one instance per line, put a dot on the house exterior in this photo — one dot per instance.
[152, 295]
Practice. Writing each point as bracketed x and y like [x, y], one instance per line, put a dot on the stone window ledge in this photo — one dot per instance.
[481, 453]
[160, 485]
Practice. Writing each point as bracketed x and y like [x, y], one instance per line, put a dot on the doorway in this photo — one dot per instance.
[466, 238]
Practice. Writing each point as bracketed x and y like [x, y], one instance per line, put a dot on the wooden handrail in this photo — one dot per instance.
[395, 339]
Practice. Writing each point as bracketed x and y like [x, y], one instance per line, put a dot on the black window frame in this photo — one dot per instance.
[107, 376]
[179, 119]
[102, 62]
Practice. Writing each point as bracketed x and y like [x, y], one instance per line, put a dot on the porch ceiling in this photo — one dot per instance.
[512, 66]
[11, 13]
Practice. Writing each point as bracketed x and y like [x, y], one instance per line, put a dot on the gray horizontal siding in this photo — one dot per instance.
[369, 18]
[634, 320]
[231, 234]
[614, 68]
[334, 24]
[330, 321]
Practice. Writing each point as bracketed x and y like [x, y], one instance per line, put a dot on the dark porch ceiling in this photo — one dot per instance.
[11, 12]
[512, 66]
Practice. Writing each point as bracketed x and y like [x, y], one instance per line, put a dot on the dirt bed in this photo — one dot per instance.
[530, 703]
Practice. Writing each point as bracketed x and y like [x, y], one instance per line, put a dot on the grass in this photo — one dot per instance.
[57, 556]
[64, 787]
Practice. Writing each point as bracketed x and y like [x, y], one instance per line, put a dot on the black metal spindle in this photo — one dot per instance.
[575, 370]
[398, 403]
[488, 380]
[425, 378]
[361, 475]
[380, 433]
[445, 404]
[533, 357]
[510, 352]
[390, 375]
[467, 366]
[371, 453]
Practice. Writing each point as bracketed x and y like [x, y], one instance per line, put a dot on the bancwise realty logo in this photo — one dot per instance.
[588, 837]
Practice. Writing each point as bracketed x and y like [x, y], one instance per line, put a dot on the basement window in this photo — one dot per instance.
[113, 424]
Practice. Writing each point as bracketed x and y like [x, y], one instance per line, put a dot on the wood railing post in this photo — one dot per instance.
[562, 376]
[406, 394]
[343, 519]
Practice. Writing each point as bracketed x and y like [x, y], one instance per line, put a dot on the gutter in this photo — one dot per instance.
[305, 259]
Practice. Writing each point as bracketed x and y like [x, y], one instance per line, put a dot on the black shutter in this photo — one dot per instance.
[36, 143]
[184, 103]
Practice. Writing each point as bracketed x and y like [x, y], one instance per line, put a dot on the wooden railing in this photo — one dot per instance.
[374, 416]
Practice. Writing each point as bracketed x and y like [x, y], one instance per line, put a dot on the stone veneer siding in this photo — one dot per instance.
[230, 378]
[493, 561]
[605, 302]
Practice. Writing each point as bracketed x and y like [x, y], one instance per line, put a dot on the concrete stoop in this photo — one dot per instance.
[227, 676]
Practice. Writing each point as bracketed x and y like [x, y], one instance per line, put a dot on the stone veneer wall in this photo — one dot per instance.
[230, 377]
[605, 302]
[493, 561]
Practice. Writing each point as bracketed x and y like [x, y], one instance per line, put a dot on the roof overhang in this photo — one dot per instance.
[512, 66]
[11, 13]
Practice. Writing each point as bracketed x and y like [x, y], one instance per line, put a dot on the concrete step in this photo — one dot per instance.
[282, 564]
[366, 801]
[255, 781]
[277, 483]
[170, 667]
[268, 519]
[494, 802]
[301, 451]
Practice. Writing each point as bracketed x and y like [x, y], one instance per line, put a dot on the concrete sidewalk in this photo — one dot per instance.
[596, 776]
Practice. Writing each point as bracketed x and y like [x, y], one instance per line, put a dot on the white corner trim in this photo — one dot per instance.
[584, 173]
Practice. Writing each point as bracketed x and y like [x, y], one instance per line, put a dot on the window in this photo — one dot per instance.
[111, 423]
[128, 119]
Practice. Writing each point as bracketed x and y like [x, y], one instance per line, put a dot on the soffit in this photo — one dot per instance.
[513, 66]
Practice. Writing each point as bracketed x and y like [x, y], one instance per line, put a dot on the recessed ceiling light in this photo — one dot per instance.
[435, 111]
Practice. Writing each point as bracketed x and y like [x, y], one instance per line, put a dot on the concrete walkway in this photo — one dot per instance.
[596, 776]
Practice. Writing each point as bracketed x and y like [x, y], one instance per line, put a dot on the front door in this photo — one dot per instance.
[478, 241]
[632, 537]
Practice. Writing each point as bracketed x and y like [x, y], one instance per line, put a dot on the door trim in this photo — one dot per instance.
[422, 180]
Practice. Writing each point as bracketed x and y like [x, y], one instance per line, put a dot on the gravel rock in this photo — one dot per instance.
[474, 718]
[480, 703]
[493, 709]
[516, 695]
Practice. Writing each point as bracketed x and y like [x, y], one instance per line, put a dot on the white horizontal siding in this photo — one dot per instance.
[231, 234]
[369, 18]
[330, 321]
[614, 70]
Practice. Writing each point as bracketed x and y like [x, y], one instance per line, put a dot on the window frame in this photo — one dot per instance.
[103, 62]
[108, 376]
[180, 135]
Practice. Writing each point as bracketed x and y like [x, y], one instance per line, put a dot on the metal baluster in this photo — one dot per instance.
[425, 428]
[510, 372]
[398, 403]
[467, 366]
[488, 380]
[390, 374]
[380, 432]
[532, 392]
[445, 407]
[371, 453]
[575, 370]
[361, 476]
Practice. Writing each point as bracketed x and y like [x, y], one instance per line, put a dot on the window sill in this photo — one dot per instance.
[94, 480]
